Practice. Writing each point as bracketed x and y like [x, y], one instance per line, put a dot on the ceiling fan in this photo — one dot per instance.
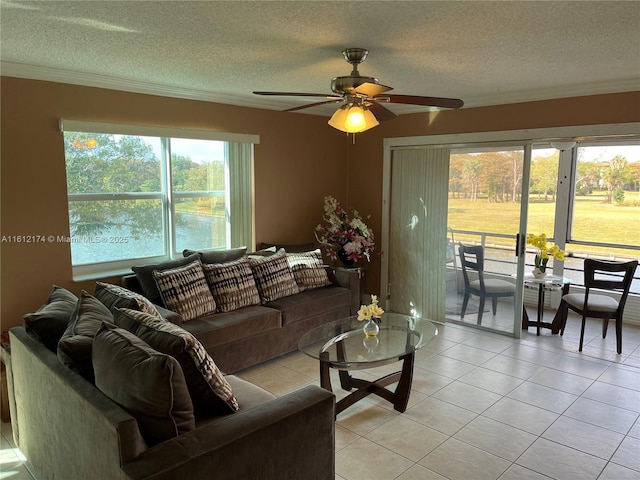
[361, 96]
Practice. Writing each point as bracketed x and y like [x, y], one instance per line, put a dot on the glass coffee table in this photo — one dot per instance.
[342, 345]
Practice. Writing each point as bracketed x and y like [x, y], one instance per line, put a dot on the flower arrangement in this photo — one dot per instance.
[544, 251]
[344, 236]
[373, 310]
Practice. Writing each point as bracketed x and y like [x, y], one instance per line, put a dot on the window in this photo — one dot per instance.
[606, 196]
[139, 193]
[543, 191]
[604, 207]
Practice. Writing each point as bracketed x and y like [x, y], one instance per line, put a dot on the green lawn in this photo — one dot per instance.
[594, 220]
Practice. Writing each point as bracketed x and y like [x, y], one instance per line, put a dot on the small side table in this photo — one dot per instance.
[548, 283]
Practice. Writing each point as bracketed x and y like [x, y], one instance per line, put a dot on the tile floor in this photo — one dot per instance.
[483, 406]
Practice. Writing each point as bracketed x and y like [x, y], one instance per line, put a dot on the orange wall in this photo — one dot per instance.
[299, 161]
[295, 167]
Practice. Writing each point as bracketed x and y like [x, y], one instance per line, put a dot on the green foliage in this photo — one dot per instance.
[618, 195]
[497, 176]
[544, 175]
[117, 164]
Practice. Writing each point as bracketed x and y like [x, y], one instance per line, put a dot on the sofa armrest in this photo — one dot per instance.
[350, 278]
[288, 438]
[62, 418]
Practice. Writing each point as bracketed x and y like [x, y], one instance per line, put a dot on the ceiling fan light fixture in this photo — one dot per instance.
[353, 118]
[337, 120]
[355, 122]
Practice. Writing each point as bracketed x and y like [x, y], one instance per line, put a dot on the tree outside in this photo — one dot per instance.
[121, 166]
[483, 194]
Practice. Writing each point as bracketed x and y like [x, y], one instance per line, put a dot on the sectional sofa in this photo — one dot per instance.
[69, 429]
[125, 385]
[293, 293]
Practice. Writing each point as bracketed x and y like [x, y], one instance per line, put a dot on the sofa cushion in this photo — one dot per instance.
[115, 296]
[148, 284]
[308, 269]
[249, 396]
[49, 323]
[74, 348]
[185, 290]
[293, 248]
[209, 391]
[148, 384]
[217, 256]
[273, 276]
[224, 328]
[232, 284]
[311, 302]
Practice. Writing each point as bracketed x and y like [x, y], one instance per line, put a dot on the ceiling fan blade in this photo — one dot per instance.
[297, 94]
[381, 113]
[310, 105]
[426, 101]
[371, 89]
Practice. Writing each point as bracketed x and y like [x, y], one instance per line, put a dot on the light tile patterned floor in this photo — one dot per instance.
[483, 407]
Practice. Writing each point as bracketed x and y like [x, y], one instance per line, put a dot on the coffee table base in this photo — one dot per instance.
[399, 398]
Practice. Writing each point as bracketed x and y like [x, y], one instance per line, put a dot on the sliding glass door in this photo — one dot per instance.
[440, 199]
[485, 204]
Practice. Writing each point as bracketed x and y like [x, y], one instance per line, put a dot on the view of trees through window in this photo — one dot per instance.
[484, 199]
[117, 194]
[607, 198]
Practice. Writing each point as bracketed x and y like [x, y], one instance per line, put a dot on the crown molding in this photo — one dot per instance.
[32, 72]
[564, 91]
[20, 70]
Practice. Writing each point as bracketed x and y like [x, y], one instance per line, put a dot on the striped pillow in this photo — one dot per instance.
[232, 284]
[308, 269]
[209, 390]
[273, 276]
[113, 295]
[185, 290]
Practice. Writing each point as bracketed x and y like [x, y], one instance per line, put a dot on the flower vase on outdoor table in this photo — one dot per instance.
[544, 251]
[370, 314]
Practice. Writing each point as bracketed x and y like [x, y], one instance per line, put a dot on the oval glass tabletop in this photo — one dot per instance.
[343, 344]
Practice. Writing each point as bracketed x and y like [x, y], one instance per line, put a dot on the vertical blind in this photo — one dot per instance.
[418, 231]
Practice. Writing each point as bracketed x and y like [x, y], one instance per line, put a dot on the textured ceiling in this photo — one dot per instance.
[483, 52]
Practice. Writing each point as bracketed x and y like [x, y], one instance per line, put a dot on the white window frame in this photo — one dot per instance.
[239, 195]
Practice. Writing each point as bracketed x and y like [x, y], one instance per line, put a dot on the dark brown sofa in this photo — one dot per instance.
[68, 429]
[250, 335]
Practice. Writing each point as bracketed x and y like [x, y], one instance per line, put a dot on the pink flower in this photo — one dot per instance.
[341, 232]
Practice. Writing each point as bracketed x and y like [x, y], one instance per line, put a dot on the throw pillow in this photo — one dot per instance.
[273, 276]
[210, 391]
[74, 348]
[148, 283]
[294, 248]
[113, 296]
[267, 252]
[148, 384]
[185, 290]
[217, 256]
[308, 269]
[232, 284]
[49, 323]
